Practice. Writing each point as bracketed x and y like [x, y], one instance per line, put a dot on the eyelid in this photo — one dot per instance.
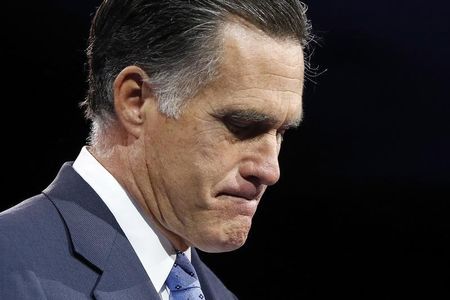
[239, 122]
[255, 125]
[249, 125]
[245, 129]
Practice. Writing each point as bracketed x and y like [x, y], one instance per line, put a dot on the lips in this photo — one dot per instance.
[245, 191]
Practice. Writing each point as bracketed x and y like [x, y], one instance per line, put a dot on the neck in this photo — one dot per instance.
[127, 165]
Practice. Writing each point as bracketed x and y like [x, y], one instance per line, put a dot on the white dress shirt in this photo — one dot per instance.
[153, 250]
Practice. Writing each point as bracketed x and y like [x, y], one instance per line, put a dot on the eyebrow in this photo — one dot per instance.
[254, 116]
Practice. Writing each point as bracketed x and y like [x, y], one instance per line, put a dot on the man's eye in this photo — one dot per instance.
[244, 129]
[239, 128]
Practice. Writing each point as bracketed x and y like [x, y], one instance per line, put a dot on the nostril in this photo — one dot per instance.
[253, 179]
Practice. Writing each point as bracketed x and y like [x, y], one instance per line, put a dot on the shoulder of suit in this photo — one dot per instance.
[22, 226]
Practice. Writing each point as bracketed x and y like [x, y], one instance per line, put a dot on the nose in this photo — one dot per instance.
[262, 167]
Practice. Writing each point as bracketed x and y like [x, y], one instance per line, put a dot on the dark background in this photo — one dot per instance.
[362, 208]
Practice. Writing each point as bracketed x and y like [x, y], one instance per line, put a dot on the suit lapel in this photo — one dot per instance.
[204, 283]
[98, 240]
[123, 275]
[212, 287]
[207, 289]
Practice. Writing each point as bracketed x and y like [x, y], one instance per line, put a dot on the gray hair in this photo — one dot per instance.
[176, 42]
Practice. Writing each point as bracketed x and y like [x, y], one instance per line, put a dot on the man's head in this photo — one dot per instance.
[197, 95]
[178, 42]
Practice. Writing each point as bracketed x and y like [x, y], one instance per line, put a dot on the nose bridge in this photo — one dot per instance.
[267, 150]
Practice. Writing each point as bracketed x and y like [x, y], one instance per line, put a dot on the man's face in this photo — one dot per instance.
[209, 168]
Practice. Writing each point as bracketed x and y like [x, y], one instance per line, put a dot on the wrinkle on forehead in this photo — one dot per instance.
[252, 59]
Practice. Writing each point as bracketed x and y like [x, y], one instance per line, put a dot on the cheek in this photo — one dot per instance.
[215, 154]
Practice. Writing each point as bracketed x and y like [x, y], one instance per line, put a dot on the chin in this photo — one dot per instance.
[228, 239]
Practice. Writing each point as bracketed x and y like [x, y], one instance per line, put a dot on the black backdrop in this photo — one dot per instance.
[362, 208]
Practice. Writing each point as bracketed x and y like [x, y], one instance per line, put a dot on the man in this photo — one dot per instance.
[189, 101]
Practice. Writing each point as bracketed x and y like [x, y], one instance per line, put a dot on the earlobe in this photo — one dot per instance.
[131, 95]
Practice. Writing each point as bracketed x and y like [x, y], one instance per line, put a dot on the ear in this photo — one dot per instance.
[131, 95]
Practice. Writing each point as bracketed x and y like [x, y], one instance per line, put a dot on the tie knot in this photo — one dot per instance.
[184, 263]
[183, 281]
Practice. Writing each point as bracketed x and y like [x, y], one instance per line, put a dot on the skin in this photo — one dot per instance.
[200, 177]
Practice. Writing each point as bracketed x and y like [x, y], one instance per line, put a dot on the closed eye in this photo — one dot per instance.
[246, 129]
[249, 124]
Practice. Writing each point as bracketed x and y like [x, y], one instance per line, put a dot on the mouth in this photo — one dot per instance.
[238, 205]
[247, 194]
[243, 200]
[236, 196]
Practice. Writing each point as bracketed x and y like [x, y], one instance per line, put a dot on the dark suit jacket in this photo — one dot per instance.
[66, 244]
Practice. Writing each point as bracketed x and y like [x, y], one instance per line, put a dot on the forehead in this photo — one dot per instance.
[260, 72]
[249, 50]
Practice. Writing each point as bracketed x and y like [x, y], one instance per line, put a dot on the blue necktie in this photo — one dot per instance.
[183, 281]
